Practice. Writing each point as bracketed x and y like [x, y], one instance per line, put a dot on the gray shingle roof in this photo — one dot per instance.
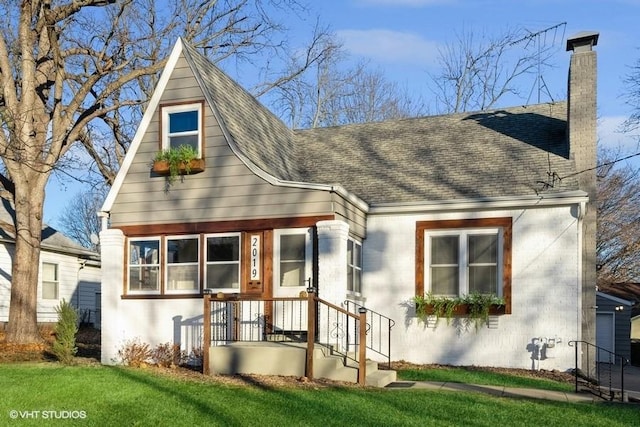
[261, 136]
[51, 239]
[506, 152]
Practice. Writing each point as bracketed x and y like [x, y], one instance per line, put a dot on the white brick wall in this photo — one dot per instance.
[544, 292]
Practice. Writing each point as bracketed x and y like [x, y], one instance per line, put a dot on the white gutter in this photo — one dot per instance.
[555, 199]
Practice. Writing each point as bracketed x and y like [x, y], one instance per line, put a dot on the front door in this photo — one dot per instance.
[292, 266]
[292, 272]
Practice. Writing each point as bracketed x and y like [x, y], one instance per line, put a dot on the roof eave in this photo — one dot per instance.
[502, 202]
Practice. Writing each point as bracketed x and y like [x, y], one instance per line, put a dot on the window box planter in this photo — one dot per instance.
[161, 167]
[462, 310]
[473, 309]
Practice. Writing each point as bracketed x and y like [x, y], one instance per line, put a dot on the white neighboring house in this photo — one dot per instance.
[499, 201]
[66, 271]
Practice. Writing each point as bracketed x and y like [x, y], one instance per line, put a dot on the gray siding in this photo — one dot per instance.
[622, 321]
[226, 190]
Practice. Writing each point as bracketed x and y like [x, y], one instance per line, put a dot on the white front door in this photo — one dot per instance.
[292, 253]
[292, 272]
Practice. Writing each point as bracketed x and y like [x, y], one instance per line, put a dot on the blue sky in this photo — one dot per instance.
[402, 38]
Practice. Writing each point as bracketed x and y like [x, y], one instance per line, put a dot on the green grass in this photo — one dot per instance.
[480, 377]
[124, 396]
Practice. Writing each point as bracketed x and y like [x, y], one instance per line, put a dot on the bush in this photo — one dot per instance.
[134, 353]
[168, 355]
[64, 345]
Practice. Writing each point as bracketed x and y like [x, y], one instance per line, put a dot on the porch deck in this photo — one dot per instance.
[290, 359]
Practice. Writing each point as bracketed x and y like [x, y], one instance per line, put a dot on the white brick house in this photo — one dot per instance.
[367, 213]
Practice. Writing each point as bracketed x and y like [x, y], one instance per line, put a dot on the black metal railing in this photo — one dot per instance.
[339, 330]
[378, 330]
[598, 369]
[309, 319]
[273, 319]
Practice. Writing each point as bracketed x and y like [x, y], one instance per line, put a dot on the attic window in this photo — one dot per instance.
[182, 125]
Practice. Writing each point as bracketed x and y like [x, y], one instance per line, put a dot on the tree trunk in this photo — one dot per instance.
[23, 321]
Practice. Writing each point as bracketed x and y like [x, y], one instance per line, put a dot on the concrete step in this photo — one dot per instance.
[380, 378]
[327, 364]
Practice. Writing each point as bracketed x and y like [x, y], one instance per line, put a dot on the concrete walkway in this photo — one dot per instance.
[497, 391]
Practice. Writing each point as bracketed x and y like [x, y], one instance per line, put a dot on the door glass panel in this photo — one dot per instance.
[292, 260]
[223, 262]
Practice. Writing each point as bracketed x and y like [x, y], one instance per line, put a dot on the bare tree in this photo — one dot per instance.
[79, 220]
[618, 247]
[336, 95]
[78, 73]
[476, 72]
[632, 97]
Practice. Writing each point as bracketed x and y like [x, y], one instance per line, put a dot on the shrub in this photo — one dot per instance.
[64, 345]
[134, 353]
[168, 355]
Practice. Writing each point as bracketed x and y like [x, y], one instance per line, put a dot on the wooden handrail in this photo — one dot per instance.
[312, 301]
[206, 331]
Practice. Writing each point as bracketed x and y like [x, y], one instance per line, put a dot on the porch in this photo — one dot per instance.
[295, 336]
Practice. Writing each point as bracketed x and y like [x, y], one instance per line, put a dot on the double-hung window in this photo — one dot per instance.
[354, 266]
[144, 265]
[462, 262]
[182, 267]
[223, 262]
[181, 125]
[462, 257]
[49, 281]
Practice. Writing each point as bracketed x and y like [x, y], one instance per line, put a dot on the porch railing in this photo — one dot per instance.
[306, 319]
[378, 330]
[602, 373]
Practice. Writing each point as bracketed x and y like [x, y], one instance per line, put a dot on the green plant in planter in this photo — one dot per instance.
[177, 159]
[477, 307]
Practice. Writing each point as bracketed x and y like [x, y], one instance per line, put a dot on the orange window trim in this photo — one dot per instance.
[503, 222]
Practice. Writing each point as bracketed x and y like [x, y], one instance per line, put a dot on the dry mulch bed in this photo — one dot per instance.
[526, 373]
[88, 343]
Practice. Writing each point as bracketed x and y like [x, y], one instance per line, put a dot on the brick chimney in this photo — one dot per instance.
[582, 138]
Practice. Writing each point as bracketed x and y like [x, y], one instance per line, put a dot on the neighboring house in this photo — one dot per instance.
[497, 201]
[628, 292]
[613, 327]
[66, 271]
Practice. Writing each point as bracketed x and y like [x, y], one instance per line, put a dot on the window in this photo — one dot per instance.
[49, 281]
[181, 125]
[461, 262]
[183, 260]
[223, 262]
[460, 257]
[354, 266]
[144, 265]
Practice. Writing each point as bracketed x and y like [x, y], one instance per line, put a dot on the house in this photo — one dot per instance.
[618, 319]
[613, 327]
[67, 271]
[498, 202]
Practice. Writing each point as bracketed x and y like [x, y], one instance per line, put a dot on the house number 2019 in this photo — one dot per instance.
[255, 257]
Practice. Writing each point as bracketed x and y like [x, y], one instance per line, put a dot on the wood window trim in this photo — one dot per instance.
[201, 124]
[506, 223]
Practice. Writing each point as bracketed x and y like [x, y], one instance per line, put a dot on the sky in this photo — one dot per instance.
[402, 38]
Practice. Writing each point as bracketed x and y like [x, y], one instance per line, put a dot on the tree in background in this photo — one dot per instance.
[77, 74]
[478, 71]
[618, 245]
[80, 221]
[336, 94]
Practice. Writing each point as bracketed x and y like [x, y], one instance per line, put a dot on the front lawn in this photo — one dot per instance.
[517, 378]
[101, 395]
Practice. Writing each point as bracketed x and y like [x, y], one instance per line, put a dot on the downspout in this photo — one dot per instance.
[582, 208]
